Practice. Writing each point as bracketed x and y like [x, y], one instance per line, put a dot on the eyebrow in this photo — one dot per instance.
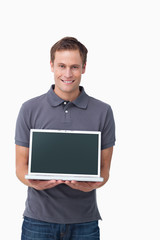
[78, 65]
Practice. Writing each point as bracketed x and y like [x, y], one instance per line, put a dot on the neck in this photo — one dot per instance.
[67, 96]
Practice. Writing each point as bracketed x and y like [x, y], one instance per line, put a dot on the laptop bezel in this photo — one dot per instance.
[63, 174]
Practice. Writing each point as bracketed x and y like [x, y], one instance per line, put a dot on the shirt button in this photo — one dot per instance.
[64, 103]
[66, 111]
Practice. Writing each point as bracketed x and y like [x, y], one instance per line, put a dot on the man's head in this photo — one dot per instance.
[69, 43]
[68, 63]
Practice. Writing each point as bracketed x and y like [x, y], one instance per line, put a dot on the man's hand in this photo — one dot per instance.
[83, 186]
[42, 185]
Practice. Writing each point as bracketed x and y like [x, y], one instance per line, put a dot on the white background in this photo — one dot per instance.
[123, 39]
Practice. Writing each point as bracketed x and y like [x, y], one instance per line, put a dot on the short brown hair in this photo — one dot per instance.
[69, 43]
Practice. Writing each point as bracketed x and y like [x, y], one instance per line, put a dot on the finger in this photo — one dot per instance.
[67, 182]
[43, 184]
[74, 182]
[53, 181]
[97, 184]
[60, 181]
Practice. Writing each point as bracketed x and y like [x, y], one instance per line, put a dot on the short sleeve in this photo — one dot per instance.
[22, 132]
[108, 131]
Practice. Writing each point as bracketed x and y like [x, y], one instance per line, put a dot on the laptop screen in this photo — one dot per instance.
[64, 152]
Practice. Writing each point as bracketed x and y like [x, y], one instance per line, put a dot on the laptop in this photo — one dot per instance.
[64, 155]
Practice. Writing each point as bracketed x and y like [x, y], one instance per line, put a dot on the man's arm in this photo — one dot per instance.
[106, 156]
[22, 156]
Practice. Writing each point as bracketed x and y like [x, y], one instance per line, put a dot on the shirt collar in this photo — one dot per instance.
[81, 101]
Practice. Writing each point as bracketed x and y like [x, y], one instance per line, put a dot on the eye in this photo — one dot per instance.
[75, 67]
[61, 66]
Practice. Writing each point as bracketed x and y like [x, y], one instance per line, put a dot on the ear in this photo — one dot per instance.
[52, 67]
[84, 68]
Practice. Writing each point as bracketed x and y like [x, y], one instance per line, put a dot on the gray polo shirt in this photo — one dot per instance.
[63, 204]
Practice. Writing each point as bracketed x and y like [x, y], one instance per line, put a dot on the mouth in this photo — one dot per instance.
[67, 81]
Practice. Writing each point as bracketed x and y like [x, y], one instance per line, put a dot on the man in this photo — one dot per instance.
[63, 209]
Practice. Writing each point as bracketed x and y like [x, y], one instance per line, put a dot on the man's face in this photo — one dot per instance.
[67, 68]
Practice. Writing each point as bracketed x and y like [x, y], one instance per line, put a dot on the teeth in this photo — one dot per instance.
[67, 81]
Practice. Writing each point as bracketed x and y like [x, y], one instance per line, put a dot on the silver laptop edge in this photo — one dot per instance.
[64, 177]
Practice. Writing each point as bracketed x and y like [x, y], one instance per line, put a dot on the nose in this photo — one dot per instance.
[68, 73]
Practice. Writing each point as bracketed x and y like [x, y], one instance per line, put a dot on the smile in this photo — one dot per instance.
[68, 81]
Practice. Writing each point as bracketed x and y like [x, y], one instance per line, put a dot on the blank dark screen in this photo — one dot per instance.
[64, 153]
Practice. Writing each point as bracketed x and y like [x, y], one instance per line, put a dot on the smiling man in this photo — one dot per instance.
[63, 209]
[67, 68]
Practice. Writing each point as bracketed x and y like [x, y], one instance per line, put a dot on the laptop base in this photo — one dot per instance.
[64, 178]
